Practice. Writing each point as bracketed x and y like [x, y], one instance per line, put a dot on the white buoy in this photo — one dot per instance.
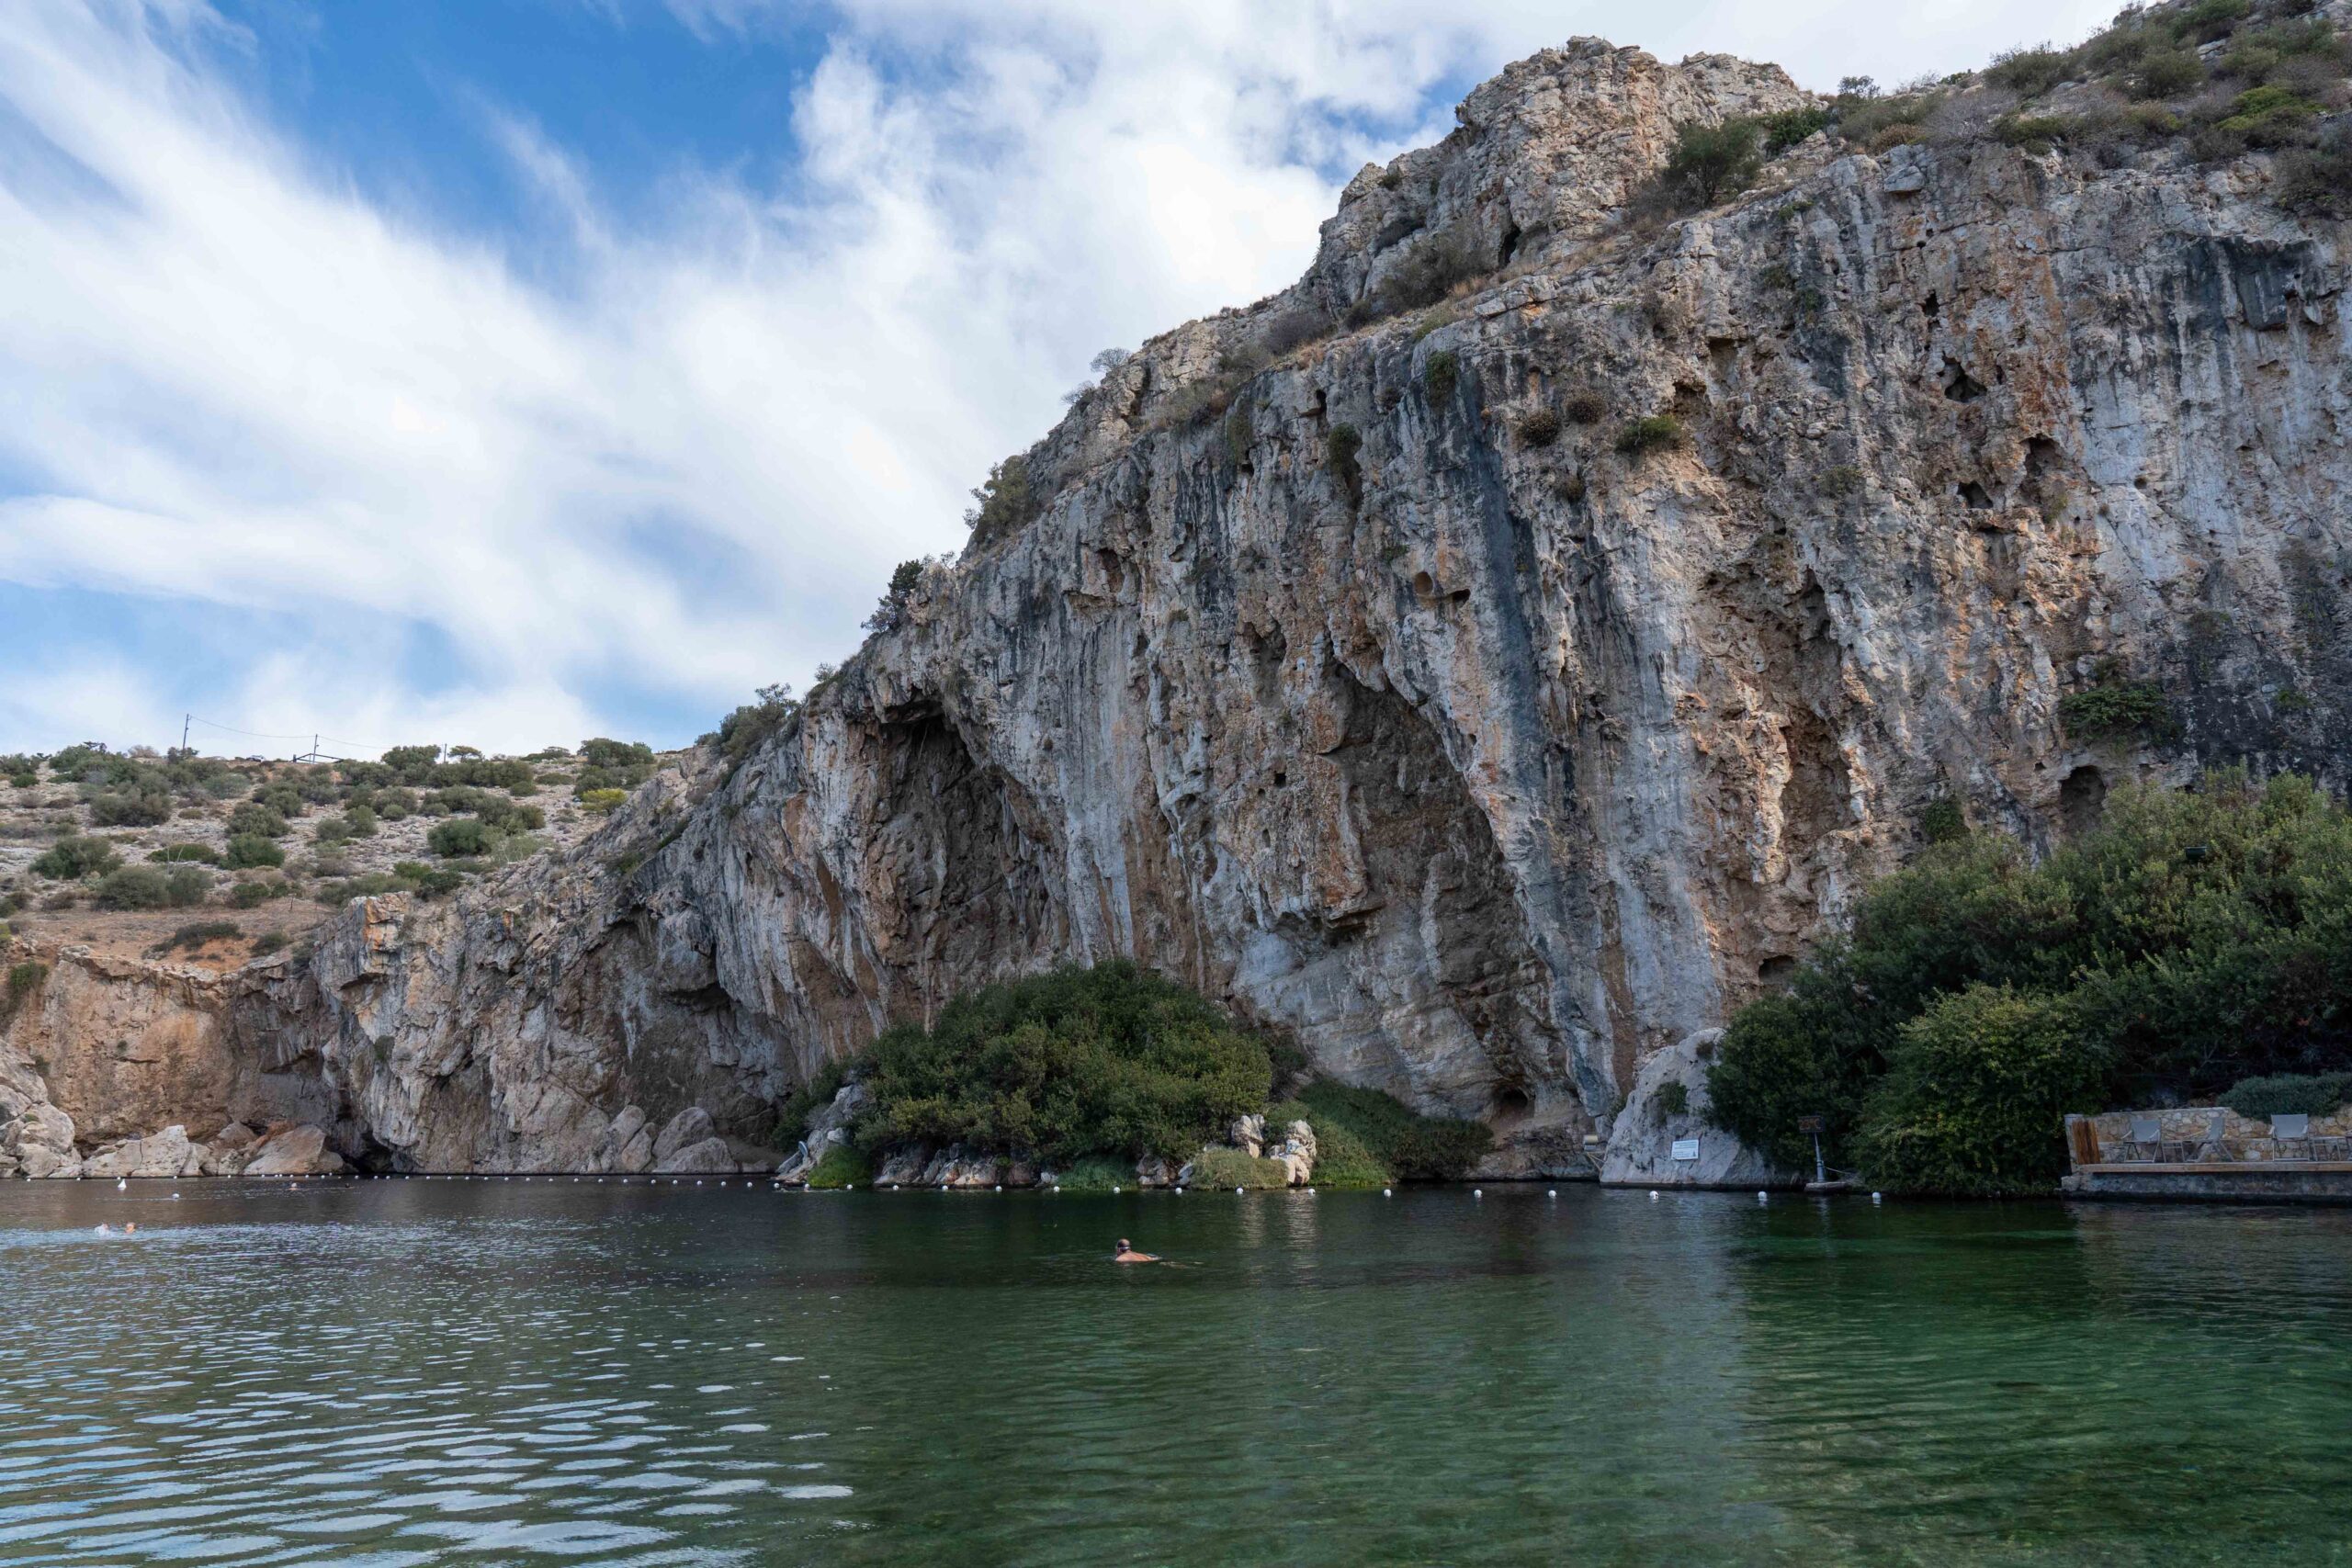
[1477, 1193]
[1384, 1192]
[176, 1197]
[999, 1186]
[1057, 1186]
[1763, 1198]
[1237, 1192]
[1179, 1193]
[1652, 1194]
[121, 1185]
[1550, 1192]
[1875, 1197]
[1114, 1189]
[1310, 1192]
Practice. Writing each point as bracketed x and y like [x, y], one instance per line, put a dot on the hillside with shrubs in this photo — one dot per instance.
[215, 860]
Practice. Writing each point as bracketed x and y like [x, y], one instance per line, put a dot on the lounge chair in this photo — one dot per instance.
[2147, 1139]
[2291, 1127]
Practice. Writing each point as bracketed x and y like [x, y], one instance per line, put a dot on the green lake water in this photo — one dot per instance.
[384, 1372]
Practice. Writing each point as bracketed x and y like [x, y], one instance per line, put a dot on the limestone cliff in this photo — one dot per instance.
[1374, 679]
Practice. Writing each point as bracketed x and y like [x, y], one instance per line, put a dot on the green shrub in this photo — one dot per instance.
[2317, 182]
[1004, 502]
[74, 857]
[144, 808]
[1112, 1060]
[24, 979]
[1711, 162]
[1412, 1146]
[134, 888]
[603, 752]
[268, 943]
[427, 881]
[282, 798]
[413, 764]
[1343, 1162]
[1976, 1093]
[792, 1116]
[2166, 74]
[2268, 117]
[2207, 20]
[2193, 940]
[250, 852]
[2028, 70]
[188, 938]
[2310, 1094]
[2032, 133]
[186, 884]
[1220, 1166]
[1673, 1098]
[253, 894]
[1096, 1174]
[257, 820]
[1942, 821]
[1423, 274]
[2116, 710]
[1659, 433]
[601, 800]
[1790, 127]
[460, 836]
[1339, 450]
[1441, 374]
[842, 1165]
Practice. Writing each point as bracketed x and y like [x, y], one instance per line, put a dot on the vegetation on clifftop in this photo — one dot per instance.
[2194, 940]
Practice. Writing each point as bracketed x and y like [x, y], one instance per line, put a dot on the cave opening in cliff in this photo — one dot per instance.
[2082, 801]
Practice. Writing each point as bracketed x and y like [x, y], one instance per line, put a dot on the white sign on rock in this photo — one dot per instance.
[1686, 1148]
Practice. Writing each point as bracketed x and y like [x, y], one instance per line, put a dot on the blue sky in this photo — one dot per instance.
[505, 371]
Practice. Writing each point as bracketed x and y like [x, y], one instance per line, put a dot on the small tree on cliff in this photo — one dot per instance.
[1710, 162]
[891, 613]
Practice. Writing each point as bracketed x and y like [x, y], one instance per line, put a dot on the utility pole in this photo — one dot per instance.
[184, 723]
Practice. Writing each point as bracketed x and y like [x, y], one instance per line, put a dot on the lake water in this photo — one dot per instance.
[381, 1373]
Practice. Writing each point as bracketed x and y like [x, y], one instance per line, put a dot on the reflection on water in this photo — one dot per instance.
[406, 1372]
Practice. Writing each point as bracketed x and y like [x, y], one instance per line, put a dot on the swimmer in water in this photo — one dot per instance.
[1128, 1254]
[130, 1228]
[105, 1230]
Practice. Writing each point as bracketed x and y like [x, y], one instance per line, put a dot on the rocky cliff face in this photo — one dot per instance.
[1362, 677]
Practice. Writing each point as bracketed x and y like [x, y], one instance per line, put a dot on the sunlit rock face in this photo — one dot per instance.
[1485, 760]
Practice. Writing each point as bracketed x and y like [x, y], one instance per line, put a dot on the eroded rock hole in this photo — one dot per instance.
[2082, 801]
[1958, 385]
[1978, 498]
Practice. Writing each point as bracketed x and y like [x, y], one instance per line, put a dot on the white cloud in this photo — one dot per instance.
[225, 375]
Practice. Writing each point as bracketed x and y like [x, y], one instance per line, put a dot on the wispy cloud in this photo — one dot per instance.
[681, 468]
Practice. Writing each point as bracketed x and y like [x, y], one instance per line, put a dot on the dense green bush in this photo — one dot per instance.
[1790, 127]
[1423, 274]
[134, 888]
[281, 797]
[1407, 1145]
[1231, 1168]
[249, 851]
[1976, 1093]
[1111, 1060]
[1004, 502]
[1584, 405]
[1343, 1162]
[2117, 709]
[1441, 374]
[1539, 429]
[841, 1166]
[460, 836]
[253, 894]
[131, 808]
[24, 979]
[2192, 941]
[74, 857]
[258, 821]
[2311, 1094]
[1658, 433]
[199, 933]
[1711, 162]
